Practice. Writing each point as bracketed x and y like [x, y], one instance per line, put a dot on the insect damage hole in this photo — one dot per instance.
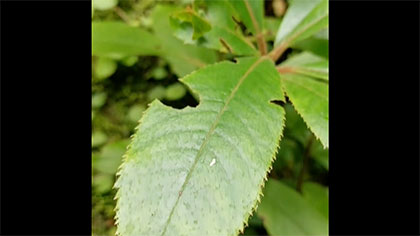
[278, 102]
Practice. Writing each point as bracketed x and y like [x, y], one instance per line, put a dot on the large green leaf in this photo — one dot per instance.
[222, 34]
[116, 40]
[303, 19]
[310, 98]
[182, 58]
[285, 212]
[199, 171]
[308, 64]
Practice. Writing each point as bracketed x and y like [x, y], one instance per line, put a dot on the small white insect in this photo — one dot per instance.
[212, 162]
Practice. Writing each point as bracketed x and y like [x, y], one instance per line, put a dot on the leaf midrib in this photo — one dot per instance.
[209, 134]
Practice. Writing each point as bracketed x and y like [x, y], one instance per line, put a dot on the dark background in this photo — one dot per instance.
[374, 120]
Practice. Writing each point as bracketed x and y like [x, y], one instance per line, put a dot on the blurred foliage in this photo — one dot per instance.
[122, 86]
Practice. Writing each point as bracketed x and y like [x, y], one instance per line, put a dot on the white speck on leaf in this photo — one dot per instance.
[212, 162]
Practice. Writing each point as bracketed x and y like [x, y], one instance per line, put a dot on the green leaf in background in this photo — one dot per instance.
[135, 112]
[222, 34]
[98, 99]
[116, 39]
[159, 73]
[199, 171]
[110, 157]
[183, 58]
[98, 138]
[320, 154]
[129, 61]
[157, 92]
[296, 128]
[104, 4]
[310, 99]
[103, 182]
[289, 157]
[192, 21]
[175, 91]
[104, 67]
[317, 196]
[285, 212]
[306, 63]
[303, 19]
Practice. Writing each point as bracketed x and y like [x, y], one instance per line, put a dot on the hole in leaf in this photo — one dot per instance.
[278, 102]
[187, 100]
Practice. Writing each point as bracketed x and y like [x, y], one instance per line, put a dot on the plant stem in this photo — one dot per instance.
[306, 156]
[285, 69]
[276, 53]
[262, 46]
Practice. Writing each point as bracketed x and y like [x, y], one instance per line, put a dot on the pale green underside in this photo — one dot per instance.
[199, 171]
[303, 19]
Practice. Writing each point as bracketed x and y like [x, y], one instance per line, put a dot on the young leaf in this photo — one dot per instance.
[183, 58]
[189, 19]
[117, 40]
[222, 34]
[285, 212]
[251, 13]
[308, 64]
[310, 98]
[303, 19]
[199, 171]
